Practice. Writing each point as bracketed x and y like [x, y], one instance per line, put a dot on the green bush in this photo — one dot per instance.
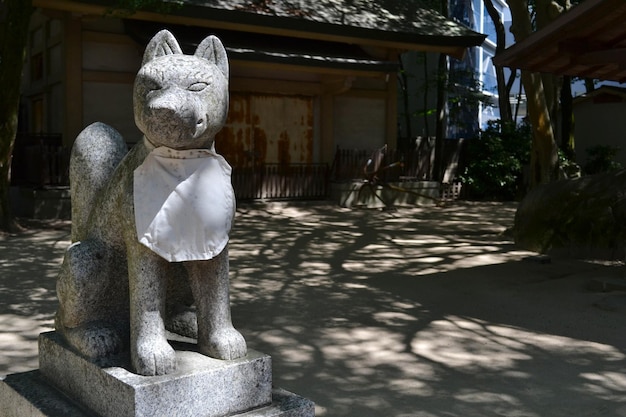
[495, 160]
[601, 158]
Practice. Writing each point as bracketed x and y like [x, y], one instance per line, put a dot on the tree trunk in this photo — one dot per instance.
[14, 21]
[425, 98]
[546, 11]
[440, 127]
[440, 123]
[589, 85]
[506, 116]
[544, 156]
[407, 141]
[567, 116]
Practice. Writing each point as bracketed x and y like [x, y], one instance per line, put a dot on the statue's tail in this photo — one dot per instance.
[97, 151]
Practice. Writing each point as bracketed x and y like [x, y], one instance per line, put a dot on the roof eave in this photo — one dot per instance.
[203, 16]
[554, 49]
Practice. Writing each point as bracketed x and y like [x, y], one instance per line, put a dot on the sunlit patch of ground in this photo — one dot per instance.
[420, 312]
[28, 267]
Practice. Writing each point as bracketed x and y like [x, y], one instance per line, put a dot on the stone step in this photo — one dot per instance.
[29, 394]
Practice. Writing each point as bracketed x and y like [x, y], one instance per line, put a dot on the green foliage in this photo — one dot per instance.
[464, 94]
[495, 160]
[569, 167]
[601, 158]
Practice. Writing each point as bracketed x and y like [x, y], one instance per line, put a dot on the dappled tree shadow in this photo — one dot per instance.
[420, 312]
[29, 263]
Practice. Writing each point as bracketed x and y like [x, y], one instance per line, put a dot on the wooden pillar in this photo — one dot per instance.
[327, 140]
[391, 128]
[73, 82]
[332, 86]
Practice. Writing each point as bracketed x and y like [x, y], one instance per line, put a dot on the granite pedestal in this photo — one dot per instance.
[68, 385]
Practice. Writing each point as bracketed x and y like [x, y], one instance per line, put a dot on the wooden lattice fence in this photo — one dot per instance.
[282, 182]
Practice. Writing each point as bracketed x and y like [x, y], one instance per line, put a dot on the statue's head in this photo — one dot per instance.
[181, 101]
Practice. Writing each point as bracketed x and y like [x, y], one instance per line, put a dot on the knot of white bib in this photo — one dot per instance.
[184, 203]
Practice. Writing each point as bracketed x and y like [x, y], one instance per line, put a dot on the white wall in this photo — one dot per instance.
[359, 122]
[600, 124]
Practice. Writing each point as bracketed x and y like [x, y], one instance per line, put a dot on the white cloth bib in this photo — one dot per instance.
[184, 203]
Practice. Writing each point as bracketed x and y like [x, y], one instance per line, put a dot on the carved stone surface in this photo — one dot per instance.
[200, 386]
[117, 293]
[69, 385]
[149, 264]
[29, 394]
[580, 218]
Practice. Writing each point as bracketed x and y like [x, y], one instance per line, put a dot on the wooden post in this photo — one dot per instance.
[73, 115]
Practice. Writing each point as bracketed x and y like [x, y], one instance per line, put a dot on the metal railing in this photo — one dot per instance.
[39, 160]
[416, 164]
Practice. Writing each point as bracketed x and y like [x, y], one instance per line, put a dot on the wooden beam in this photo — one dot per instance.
[268, 86]
[305, 68]
[603, 56]
[577, 43]
[616, 73]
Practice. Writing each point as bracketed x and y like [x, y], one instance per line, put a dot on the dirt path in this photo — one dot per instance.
[424, 312]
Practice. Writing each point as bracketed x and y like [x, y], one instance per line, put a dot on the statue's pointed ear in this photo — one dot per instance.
[163, 43]
[212, 50]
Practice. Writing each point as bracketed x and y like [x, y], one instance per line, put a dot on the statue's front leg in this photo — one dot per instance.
[211, 291]
[150, 352]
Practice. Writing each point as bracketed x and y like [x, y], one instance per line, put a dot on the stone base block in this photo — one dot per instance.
[201, 386]
[30, 394]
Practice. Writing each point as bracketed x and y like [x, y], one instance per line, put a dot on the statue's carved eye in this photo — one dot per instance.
[152, 85]
[199, 86]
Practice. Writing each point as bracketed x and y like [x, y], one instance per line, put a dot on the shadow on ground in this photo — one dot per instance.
[422, 312]
[29, 264]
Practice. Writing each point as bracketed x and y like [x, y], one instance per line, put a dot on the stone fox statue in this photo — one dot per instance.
[150, 226]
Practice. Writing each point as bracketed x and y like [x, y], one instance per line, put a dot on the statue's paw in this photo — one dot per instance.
[94, 341]
[226, 344]
[153, 356]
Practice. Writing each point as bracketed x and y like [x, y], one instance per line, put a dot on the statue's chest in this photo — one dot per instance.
[184, 203]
